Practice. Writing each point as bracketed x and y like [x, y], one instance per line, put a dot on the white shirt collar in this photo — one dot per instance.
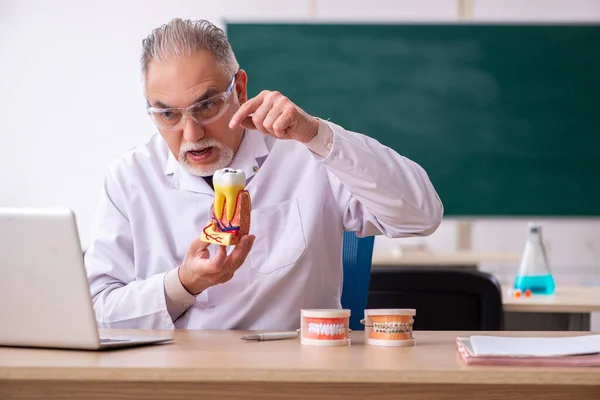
[251, 154]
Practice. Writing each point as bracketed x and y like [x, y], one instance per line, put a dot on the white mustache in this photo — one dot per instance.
[225, 156]
[201, 145]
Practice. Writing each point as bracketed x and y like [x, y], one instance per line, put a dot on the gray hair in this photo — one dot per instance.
[183, 38]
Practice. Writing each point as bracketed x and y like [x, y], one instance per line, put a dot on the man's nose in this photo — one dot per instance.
[192, 131]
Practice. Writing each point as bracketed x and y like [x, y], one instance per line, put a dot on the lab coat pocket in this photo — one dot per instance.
[279, 239]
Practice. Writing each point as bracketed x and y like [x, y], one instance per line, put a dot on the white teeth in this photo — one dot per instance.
[229, 177]
[326, 329]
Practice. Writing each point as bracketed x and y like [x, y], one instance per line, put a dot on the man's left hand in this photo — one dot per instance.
[274, 114]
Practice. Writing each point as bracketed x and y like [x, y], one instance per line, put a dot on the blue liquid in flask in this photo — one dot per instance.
[540, 284]
[534, 272]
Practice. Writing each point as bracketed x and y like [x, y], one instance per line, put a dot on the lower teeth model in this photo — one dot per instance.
[389, 327]
[325, 327]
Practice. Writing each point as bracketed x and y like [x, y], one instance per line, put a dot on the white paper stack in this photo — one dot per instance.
[498, 350]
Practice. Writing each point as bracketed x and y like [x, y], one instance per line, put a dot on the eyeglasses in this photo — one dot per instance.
[202, 112]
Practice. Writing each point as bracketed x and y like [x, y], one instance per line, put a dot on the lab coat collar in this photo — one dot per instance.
[250, 156]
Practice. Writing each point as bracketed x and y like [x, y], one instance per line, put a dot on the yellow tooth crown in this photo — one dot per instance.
[228, 193]
[227, 183]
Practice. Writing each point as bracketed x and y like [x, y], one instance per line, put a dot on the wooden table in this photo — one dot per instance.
[218, 365]
[569, 308]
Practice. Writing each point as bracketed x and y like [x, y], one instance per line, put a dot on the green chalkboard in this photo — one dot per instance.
[504, 118]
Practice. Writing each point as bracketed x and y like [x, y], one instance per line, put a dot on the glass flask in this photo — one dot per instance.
[534, 272]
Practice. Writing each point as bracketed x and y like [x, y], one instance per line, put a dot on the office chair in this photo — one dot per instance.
[356, 256]
[445, 299]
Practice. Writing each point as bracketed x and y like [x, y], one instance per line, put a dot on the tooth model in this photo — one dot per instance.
[324, 327]
[389, 327]
[231, 209]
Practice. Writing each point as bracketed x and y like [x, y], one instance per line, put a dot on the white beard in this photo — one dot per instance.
[225, 156]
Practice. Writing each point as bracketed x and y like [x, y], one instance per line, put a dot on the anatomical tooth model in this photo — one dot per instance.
[231, 209]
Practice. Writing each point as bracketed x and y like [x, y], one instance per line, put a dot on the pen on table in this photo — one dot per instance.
[271, 336]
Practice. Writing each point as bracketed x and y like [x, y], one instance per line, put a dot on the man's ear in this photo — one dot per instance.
[241, 86]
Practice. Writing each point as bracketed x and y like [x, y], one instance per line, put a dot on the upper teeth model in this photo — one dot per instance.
[326, 329]
[227, 183]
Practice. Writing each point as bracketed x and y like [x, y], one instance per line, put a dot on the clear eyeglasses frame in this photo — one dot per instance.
[203, 112]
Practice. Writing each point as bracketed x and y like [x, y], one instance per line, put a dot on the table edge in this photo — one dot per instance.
[590, 376]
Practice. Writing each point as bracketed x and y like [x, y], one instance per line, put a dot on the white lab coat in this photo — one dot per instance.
[152, 208]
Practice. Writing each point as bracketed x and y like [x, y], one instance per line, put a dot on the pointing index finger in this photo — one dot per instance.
[245, 110]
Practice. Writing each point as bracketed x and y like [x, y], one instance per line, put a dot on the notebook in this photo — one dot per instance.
[495, 350]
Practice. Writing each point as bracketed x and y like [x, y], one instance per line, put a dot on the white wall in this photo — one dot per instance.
[70, 90]
[71, 102]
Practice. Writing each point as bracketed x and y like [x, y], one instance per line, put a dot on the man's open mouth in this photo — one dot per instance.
[200, 152]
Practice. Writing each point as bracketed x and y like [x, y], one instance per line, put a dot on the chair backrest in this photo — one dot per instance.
[356, 256]
[445, 299]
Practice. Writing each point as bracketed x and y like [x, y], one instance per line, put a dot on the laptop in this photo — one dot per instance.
[45, 300]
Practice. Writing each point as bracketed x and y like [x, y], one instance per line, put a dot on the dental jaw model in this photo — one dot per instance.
[231, 209]
[389, 327]
[325, 327]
